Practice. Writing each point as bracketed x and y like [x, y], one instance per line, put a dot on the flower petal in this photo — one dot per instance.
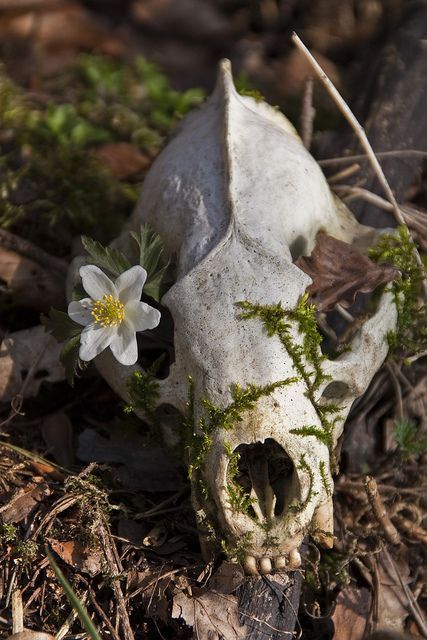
[96, 283]
[124, 345]
[142, 315]
[129, 284]
[95, 339]
[80, 311]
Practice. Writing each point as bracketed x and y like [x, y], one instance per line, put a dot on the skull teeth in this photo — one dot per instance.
[265, 566]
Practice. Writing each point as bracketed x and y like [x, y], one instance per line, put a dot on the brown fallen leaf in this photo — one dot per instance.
[31, 350]
[57, 431]
[122, 159]
[78, 555]
[18, 505]
[351, 613]
[212, 616]
[340, 271]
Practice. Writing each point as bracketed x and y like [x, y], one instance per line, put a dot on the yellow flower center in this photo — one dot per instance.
[108, 312]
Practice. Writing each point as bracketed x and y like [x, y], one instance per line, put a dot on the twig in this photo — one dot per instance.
[349, 192]
[110, 554]
[363, 139]
[344, 173]
[380, 512]
[307, 113]
[326, 162]
[11, 242]
[17, 612]
[413, 604]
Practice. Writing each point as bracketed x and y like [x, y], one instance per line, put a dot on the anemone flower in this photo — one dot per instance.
[112, 314]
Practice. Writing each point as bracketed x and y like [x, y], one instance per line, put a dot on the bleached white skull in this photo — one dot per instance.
[236, 198]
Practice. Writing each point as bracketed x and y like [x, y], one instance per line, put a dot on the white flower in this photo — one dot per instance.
[112, 314]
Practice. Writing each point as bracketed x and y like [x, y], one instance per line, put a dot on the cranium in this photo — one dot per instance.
[236, 198]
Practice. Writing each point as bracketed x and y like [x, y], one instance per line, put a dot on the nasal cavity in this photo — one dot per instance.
[264, 473]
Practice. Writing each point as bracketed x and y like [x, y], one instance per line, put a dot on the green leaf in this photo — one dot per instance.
[109, 259]
[75, 601]
[61, 325]
[69, 357]
[150, 250]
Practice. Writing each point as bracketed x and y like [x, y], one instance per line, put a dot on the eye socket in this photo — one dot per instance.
[337, 390]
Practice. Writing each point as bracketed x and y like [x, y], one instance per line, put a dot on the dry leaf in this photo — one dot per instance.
[351, 613]
[124, 160]
[20, 504]
[393, 606]
[212, 616]
[19, 352]
[339, 271]
[45, 469]
[78, 556]
[57, 432]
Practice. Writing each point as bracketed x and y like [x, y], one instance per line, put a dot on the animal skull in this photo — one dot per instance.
[236, 198]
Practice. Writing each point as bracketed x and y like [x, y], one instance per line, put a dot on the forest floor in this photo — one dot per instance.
[89, 93]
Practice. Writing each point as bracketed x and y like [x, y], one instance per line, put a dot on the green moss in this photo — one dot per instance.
[325, 480]
[306, 357]
[52, 186]
[305, 467]
[8, 533]
[240, 501]
[411, 331]
[237, 549]
[143, 390]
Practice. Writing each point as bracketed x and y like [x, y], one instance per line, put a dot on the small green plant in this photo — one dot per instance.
[8, 533]
[143, 390]
[410, 335]
[409, 440]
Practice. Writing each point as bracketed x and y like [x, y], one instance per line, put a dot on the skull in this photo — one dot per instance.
[236, 198]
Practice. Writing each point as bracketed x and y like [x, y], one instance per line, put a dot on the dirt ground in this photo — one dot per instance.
[89, 94]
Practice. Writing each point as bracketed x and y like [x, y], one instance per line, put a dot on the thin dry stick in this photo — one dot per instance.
[398, 153]
[362, 137]
[307, 113]
[413, 604]
[11, 242]
[380, 512]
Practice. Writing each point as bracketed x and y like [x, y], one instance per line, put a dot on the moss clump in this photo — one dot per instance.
[240, 501]
[8, 533]
[53, 187]
[199, 436]
[306, 357]
[410, 335]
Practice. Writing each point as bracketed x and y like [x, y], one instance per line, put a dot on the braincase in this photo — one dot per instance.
[233, 162]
